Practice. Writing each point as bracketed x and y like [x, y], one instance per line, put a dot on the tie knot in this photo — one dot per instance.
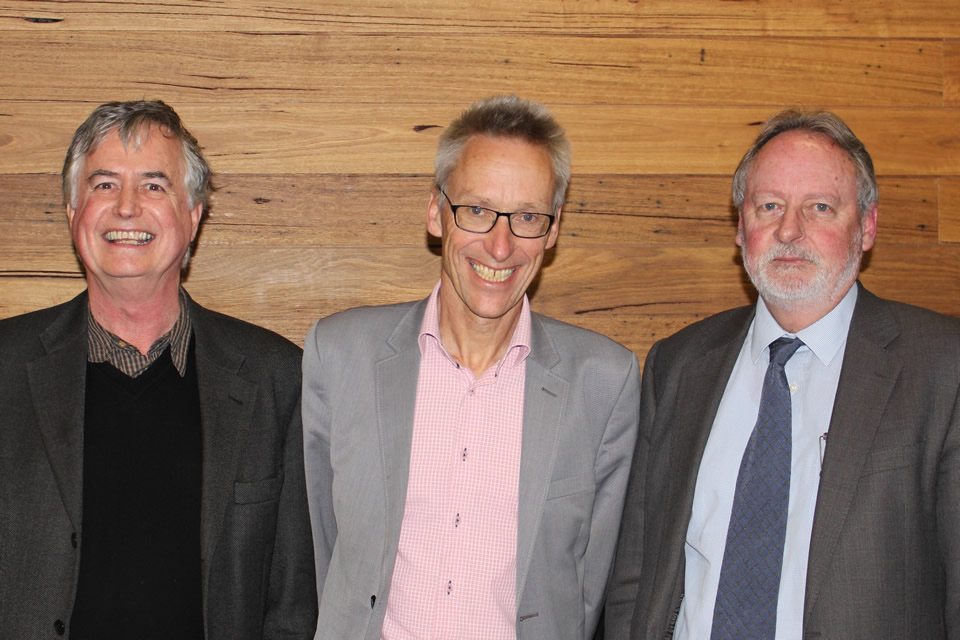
[782, 349]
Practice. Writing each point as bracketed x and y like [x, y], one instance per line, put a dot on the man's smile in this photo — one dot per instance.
[491, 275]
[128, 237]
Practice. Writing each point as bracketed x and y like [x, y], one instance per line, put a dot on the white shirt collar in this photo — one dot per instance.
[824, 337]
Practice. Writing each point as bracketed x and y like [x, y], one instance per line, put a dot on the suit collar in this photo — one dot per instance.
[867, 379]
[396, 397]
[57, 387]
[544, 398]
[702, 376]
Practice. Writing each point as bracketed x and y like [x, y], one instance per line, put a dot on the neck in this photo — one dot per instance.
[136, 315]
[474, 342]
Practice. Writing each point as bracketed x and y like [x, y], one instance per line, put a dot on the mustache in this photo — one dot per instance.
[791, 251]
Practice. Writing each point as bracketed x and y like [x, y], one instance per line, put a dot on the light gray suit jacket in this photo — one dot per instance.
[256, 554]
[581, 407]
[884, 559]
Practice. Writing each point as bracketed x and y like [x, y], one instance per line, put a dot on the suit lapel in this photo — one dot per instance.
[544, 398]
[685, 438]
[57, 387]
[396, 396]
[867, 379]
[226, 409]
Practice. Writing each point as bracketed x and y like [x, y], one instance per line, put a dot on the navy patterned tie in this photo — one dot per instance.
[746, 606]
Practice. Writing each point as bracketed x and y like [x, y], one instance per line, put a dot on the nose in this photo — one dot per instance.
[790, 227]
[128, 205]
[499, 240]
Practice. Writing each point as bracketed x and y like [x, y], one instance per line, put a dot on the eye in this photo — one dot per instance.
[821, 207]
[103, 186]
[153, 186]
[769, 206]
[476, 211]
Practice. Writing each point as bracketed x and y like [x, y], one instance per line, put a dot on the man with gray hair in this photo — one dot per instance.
[152, 481]
[467, 458]
[797, 472]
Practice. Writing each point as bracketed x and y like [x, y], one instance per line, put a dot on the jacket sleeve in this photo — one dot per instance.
[291, 598]
[319, 471]
[612, 469]
[624, 582]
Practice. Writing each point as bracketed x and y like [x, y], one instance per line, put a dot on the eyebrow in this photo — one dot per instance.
[113, 174]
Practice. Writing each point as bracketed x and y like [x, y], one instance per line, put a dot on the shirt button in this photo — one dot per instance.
[793, 388]
[73, 539]
[59, 627]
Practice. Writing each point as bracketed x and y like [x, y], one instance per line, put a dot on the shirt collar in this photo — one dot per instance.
[824, 337]
[516, 353]
[103, 346]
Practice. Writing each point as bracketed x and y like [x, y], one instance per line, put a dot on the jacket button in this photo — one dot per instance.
[73, 539]
[59, 627]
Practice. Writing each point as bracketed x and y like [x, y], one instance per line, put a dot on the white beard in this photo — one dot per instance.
[789, 291]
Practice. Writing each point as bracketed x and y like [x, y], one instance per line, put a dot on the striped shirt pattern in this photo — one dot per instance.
[103, 346]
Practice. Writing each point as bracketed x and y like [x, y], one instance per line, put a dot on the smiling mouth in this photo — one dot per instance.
[491, 275]
[128, 237]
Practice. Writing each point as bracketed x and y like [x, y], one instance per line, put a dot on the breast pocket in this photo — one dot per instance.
[891, 458]
[267, 490]
[570, 486]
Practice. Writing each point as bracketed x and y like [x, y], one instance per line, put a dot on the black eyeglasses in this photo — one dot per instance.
[477, 219]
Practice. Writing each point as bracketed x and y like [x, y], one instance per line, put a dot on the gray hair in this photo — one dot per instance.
[509, 117]
[128, 119]
[822, 122]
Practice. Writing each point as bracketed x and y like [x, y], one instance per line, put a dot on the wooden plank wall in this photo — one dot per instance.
[321, 120]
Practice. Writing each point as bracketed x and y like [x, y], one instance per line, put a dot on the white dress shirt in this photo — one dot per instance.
[812, 373]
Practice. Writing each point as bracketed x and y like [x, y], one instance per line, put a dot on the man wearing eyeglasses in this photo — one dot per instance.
[466, 458]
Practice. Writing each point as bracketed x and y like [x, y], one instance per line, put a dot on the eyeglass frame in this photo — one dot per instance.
[454, 207]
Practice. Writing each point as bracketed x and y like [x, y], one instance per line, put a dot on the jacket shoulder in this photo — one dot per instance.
[704, 334]
[260, 347]
[564, 335]
[21, 333]
[360, 325]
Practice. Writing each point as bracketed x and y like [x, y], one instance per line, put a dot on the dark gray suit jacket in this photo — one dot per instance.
[580, 415]
[884, 558]
[256, 551]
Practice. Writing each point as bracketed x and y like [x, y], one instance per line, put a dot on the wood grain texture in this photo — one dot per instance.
[950, 210]
[401, 139]
[321, 120]
[287, 290]
[879, 18]
[374, 211]
[951, 73]
[399, 69]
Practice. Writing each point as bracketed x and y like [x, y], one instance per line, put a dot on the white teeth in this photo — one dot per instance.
[128, 237]
[491, 275]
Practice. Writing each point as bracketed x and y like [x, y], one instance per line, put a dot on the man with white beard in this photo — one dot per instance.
[817, 495]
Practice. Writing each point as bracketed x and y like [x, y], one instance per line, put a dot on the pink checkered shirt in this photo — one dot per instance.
[456, 569]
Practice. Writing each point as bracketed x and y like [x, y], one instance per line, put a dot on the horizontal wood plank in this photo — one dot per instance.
[285, 289]
[375, 138]
[880, 18]
[372, 211]
[394, 69]
[950, 210]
